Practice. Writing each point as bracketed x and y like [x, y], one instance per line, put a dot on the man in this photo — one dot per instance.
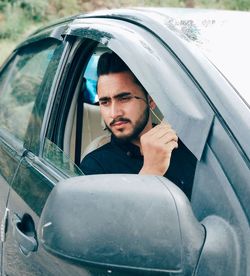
[136, 145]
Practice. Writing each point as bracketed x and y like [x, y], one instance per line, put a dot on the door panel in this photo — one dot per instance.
[9, 160]
[24, 90]
[218, 193]
[35, 177]
[31, 188]
[4, 188]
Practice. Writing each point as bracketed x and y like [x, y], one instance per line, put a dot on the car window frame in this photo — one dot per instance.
[77, 56]
[35, 139]
[113, 34]
[35, 132]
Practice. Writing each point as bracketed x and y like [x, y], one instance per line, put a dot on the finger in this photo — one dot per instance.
[166, 133]
[158, 130]
[164, 125]
[165, 137]
[171, 146]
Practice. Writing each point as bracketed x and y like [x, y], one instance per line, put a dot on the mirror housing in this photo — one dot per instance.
[132, 223]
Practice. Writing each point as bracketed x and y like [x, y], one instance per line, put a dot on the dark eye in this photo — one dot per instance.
[104, 102]
[125, 98]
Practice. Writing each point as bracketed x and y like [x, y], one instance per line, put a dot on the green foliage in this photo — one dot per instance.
[17, 15]
[237, 4]
[11, 26]
[243, 5]
[34, 9]
[4, 4]
[158, 3]
[161, 3]
[66, 7]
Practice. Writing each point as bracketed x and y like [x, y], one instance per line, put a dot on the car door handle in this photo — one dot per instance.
[25, 234]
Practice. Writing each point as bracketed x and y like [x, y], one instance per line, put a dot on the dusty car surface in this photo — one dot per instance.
[57, 221]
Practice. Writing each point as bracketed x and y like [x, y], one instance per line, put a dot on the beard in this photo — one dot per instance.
[139, 126]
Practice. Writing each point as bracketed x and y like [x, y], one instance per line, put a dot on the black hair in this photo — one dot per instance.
[111, 63]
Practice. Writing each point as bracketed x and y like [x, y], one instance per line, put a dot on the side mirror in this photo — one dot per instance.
[127, 223]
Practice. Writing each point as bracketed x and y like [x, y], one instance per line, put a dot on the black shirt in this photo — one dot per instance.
[117, 157]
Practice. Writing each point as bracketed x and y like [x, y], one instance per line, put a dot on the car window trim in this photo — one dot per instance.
[53, 33]
[12, 143]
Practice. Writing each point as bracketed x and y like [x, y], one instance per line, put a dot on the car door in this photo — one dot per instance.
[21, 82]
[221, 184]
[27, 94]
[147, 57]
[39, 167]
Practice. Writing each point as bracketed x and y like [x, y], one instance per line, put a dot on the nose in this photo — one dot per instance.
[115, 110]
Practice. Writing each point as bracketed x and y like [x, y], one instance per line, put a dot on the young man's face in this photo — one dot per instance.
[125, 116]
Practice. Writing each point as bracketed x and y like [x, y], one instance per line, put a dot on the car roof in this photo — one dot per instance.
[140, 15]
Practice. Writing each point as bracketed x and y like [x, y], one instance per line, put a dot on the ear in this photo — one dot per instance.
[151, 102]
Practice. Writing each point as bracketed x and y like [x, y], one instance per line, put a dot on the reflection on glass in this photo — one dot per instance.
[54, 155]
[19, 85]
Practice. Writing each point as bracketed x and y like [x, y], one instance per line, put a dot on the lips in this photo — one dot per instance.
[119, 122]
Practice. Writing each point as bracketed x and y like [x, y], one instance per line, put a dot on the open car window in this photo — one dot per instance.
[177, 97]
[189, 116]
[94, 132]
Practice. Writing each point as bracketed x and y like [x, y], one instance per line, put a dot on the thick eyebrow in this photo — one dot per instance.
[117, 96]
[122, 94]
[104, 99]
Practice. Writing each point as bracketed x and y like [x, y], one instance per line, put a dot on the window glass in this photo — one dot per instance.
[90, 75]
[19, 85]
[54, 155]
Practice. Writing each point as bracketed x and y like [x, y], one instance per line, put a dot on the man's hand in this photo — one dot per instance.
[157, 146]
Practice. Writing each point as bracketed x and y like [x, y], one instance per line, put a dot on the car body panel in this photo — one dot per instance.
[30, 184]
[217, 194]
[28, 195]
[3, 213]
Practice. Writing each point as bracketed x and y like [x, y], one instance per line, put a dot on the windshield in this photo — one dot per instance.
[223, 37]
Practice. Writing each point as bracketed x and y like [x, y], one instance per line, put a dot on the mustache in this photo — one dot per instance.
[119, 120]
